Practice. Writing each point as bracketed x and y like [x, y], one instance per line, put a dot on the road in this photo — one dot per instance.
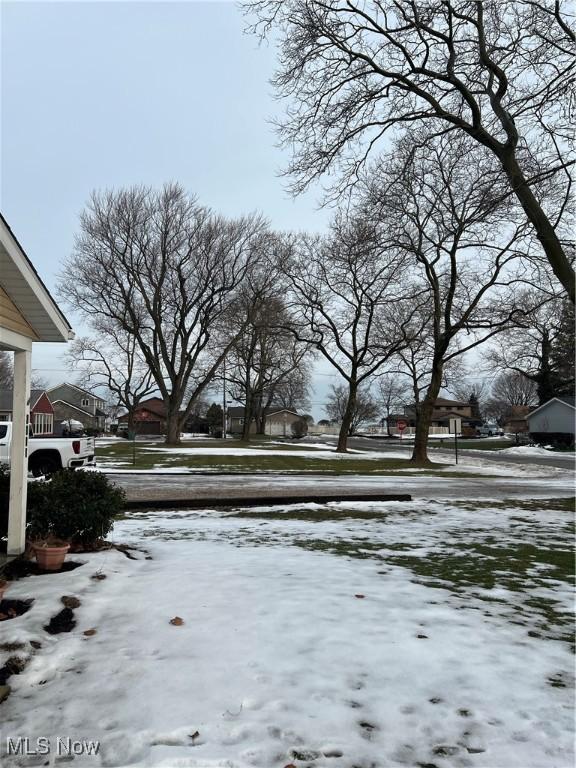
[174, 486]
[561, 461]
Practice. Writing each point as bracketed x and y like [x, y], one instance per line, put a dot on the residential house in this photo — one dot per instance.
[149, 417]
[516, 422]
[278, 421]
[73, 402]
[28, 314]
[445, 415]
[41, 411]
[553, 422]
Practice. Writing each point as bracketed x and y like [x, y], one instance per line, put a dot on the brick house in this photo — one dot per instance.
[73, 402]
[41, 411]
[149, 417]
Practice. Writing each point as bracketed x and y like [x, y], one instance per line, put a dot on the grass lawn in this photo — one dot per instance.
[267, 456]
[424, 634]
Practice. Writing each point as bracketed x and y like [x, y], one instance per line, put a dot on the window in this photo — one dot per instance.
[3, 430]
[43, 423]
[85, 402]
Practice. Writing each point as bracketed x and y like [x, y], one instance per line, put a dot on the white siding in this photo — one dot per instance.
[554, 416]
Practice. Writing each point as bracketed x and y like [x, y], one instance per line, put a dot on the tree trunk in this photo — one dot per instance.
[260, 416]
[342, 446]
[424, 416]
[172, 429]
[248, 413]
[261, 424]
[545, 382]
[545, 232]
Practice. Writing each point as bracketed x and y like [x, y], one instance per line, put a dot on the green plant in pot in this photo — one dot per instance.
[74, 510]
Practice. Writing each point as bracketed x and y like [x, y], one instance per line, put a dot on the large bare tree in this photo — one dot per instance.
[112, 360]
[441, 206]
[539, 348]
[392, 393]
[350, 300]
[498, 71]
[166, 271]
[265, 355]
[366, 407]
[293, 390]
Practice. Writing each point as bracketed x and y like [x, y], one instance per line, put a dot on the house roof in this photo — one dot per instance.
[237, 411]
[75, 407]
[6, 396]
[568, 400]
[74, 386]
[154, 404]
[25, 288]
[442, 401]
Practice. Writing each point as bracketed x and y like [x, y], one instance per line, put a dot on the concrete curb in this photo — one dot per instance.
[259, 501]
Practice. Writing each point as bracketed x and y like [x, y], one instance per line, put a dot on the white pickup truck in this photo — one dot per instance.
[49, 454]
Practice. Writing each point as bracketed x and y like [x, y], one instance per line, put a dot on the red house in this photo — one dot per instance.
[41, 411]
[149, 417]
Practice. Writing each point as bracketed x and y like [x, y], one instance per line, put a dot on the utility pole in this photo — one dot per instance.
[224, 399]
[454, 427]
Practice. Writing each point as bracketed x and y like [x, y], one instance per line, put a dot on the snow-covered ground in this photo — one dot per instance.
[421, 634]
[529, 450]
[477, 464]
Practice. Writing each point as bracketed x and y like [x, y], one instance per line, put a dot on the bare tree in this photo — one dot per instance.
[166, 271]
[348, 300]
[511, 391]
[393, 394]
[7, 374]
[265, 355]
[497, 71]
[365, 410]
[112, 360]
[472, 393]
[441, 205]
[540, 347]
[6, 370]
[416, 363]
[293, 391]
[513, 388]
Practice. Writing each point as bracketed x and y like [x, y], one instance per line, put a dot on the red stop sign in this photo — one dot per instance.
[401, 424]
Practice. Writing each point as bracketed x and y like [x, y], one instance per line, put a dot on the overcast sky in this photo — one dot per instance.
[108, 94]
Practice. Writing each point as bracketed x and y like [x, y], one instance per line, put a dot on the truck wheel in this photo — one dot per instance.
[44, 465]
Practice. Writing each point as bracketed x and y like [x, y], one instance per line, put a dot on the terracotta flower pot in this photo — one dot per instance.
[50, 556]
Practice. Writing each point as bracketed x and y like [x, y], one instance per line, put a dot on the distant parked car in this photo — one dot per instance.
[490, 430]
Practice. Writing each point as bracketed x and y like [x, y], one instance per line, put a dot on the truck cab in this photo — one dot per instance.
[47, 455]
